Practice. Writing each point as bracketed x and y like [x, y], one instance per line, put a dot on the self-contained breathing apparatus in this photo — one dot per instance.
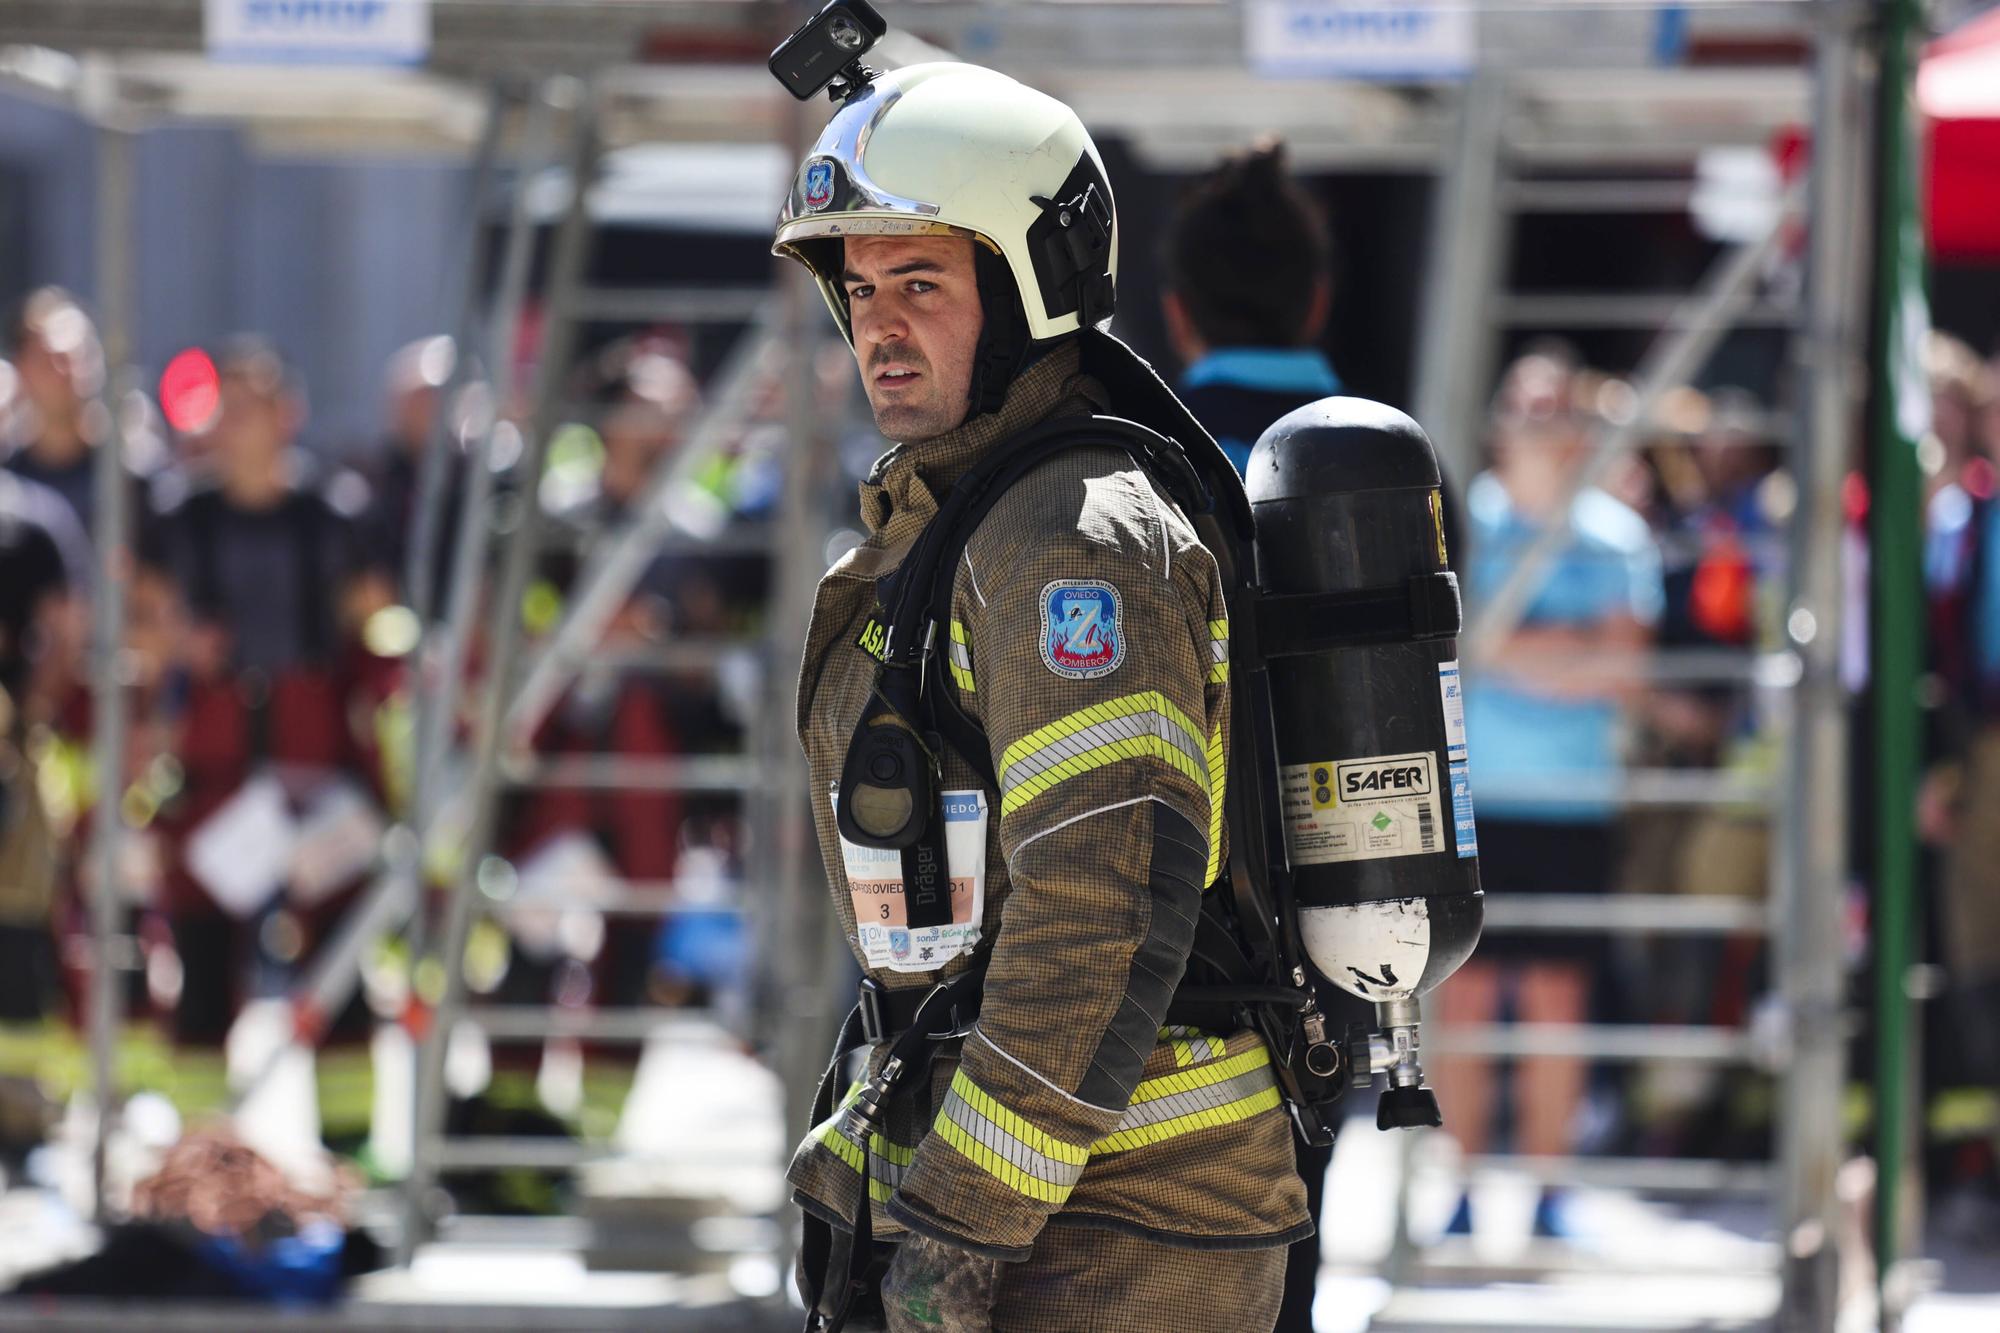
[1351, 837]
[1351, 846]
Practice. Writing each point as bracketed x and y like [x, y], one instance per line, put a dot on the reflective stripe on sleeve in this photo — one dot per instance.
[959, 655]
[1218, 792]
[1135, 726]
[1182, 1102]
[887, 1160]
[1218, 651]
[1005, 1146]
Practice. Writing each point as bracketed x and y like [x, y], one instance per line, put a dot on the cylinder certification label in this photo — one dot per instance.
[1362, 809]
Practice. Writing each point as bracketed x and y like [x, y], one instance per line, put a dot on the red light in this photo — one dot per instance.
[190, 391]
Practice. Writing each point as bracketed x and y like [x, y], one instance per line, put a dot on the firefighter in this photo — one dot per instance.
[266, 566]
[1078, 1160]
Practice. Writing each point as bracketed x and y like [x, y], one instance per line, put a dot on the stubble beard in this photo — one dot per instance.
[915, 422]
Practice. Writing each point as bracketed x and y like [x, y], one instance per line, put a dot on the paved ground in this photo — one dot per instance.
[700, 1187]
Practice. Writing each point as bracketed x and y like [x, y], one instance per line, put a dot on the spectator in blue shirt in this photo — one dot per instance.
[1545, 721]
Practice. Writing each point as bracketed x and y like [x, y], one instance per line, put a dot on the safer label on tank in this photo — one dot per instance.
[1363, 809]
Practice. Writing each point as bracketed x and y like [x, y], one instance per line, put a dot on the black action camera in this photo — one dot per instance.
[827, 50]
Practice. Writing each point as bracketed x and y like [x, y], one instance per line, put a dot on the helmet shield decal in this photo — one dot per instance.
[833, 183]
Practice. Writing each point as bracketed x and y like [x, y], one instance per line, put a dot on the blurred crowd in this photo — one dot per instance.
[273, 598]
[1621, 733]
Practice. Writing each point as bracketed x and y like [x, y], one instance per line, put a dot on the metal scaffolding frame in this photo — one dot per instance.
[1465, 305]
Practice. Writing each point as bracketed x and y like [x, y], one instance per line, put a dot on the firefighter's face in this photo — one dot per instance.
[916, 313]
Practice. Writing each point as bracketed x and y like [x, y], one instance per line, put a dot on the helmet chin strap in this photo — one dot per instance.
[1003, 350]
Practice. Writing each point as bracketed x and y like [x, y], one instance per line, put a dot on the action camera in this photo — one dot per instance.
[827, 50]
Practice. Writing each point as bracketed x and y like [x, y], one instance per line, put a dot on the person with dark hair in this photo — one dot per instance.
[1249, 286]
[1249, 265]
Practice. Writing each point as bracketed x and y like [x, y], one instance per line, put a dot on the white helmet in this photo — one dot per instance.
[948, 148]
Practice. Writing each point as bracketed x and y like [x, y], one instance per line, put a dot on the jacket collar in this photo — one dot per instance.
[904, 486]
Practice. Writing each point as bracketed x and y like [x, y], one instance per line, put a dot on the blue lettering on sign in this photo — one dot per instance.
[1354, 25]
[348, 15]
[961, 806]
[1463, 831]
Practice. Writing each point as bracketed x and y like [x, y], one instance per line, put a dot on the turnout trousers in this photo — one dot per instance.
[1088, 1280]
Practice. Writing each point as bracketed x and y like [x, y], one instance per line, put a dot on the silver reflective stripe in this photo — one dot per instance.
[1127, 728]
[1008, 1148]
[961, 657]
[1214, 1096]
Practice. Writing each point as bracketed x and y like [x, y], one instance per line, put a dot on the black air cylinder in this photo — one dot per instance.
[1370, 735]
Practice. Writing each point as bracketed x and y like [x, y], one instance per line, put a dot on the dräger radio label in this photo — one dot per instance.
[1363, 809]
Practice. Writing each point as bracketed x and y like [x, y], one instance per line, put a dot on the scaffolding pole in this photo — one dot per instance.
[558, 338]
[442, 440]
[108, 673]
[1809, 855]
[1454, 353]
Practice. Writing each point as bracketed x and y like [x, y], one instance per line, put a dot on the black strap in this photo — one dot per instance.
[1290, 624]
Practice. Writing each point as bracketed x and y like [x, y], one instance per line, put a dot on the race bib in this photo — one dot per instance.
[875, 884]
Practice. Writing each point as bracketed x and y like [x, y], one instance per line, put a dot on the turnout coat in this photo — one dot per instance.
[1089, 639]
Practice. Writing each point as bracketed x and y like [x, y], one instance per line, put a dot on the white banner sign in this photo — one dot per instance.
[329, 32]
[1369, 39]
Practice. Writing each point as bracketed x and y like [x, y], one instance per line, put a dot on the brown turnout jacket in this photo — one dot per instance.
[1090, 640]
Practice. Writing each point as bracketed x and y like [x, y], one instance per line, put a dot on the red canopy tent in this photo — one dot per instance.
[1958, 89]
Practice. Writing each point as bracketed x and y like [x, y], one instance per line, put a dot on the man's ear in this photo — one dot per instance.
[1188, 344]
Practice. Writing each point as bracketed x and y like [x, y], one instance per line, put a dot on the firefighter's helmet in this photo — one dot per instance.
[944, 148]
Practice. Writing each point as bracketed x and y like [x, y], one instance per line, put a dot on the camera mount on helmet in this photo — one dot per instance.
[826, 51]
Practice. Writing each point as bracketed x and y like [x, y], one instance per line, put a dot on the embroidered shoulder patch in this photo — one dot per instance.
[1083, 635]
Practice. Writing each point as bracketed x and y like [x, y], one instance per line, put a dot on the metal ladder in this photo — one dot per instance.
[1467, 310]
[518, 694]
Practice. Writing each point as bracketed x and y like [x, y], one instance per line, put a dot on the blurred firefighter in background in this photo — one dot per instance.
[45, 576]
[276, 816]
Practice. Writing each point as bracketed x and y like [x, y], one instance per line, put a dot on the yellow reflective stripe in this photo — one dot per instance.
[1147, 701]
[1183, 1049]
[958, 655]
[1219, 629]
[1166, 1085]
[887, 1160]
[1218, 785]
[1219, 674]
[1183, 1102]
[1126, 1139]
[1098, 757]
[1136, 726]
[828, 1132]
[1020, 1156]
